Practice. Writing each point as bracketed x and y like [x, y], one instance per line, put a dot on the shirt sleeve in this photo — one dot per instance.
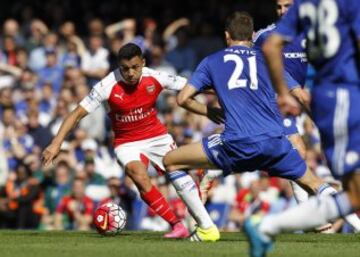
[168, 81]
[259, 39]
[289, 26]
[262, 35]
[201, 78]
[94, 99]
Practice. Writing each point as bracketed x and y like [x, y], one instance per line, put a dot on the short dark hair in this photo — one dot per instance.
[240, 26]
[129, 51]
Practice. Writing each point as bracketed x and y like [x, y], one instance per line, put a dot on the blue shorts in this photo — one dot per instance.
[290, 127]
[274, 155]
[336, 112]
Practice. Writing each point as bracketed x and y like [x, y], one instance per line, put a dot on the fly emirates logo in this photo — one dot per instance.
[134, 115]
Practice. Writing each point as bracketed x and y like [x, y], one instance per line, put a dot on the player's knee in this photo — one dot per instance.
[309, 182]
[168, 164]
[142, 181]
[136, 172]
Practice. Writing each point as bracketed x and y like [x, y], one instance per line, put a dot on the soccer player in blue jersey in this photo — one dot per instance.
[332, 28]
[295, 64]
[253, 137]
[295, 69]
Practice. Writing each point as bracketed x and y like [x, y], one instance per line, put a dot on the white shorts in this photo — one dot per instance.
[153, 149]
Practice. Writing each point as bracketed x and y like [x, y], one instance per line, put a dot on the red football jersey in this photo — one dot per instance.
[131, 108]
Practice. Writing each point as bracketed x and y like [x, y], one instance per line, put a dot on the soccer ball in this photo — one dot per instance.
[109, 219]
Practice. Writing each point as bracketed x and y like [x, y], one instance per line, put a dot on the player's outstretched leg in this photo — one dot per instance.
[188, 192]
[308, 215]
[323, 189]
[187, 157]
[154, 199]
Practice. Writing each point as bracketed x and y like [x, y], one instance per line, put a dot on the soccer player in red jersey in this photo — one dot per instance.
[130, 94]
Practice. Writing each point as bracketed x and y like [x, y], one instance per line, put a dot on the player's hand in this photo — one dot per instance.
[303, 97]
[50, 153]
[288, 105]
[216, 114]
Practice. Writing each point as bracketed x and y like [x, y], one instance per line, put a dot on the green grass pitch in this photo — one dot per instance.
[149, 244]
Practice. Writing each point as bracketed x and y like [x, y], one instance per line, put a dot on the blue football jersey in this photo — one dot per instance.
[241, 80]
[295, 61]
[332, 28]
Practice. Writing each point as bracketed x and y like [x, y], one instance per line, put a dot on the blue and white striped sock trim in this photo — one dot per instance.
[343, 204]
[322, 188]
[176, 174]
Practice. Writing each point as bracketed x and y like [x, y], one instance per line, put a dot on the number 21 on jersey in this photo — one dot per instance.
[234, 80]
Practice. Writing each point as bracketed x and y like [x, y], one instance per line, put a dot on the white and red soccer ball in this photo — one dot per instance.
[109, 219]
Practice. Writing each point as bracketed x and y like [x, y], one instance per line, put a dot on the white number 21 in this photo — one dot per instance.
[234, 81]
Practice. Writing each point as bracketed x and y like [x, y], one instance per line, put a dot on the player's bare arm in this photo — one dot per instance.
[185, 99]
[69, 123]
[272, 49]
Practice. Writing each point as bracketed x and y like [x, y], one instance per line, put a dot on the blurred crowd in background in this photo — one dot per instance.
[51, 54]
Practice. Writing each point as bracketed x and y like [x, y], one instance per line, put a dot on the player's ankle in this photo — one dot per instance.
[175, 223]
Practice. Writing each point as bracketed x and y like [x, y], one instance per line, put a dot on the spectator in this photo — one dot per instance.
[40, 134]
[158, 62]
[38, 31]
[91, 176]
[5, 100]
[11, 28]
[22, 58]
[183, 56]
[75, 210]
[61, 111]
[47, 102]
[7, 216]
[55, 191]
[52, 72]
[3, 160]
[95, 63]
[28, 96]
[17, 143]
[67, 30]
[71, 58]
[9, 54]
[38, 55]
[248, 203]
[25, 198]
[96, 27]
